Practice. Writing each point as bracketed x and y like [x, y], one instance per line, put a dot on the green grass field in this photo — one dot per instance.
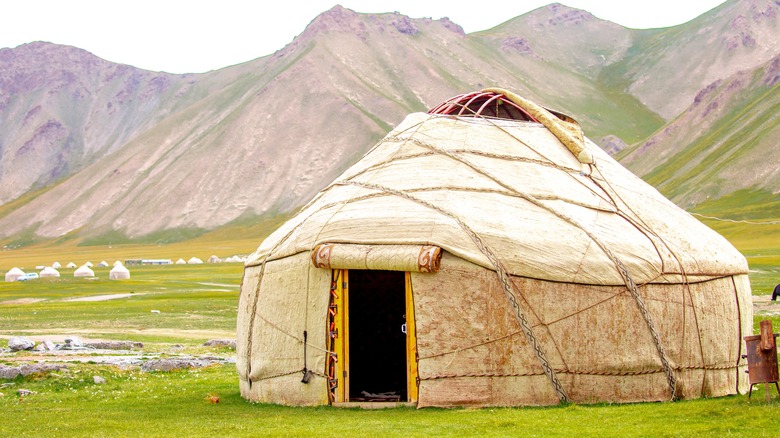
[198, 302]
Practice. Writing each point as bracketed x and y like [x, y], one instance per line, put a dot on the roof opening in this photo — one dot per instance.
[482, 104]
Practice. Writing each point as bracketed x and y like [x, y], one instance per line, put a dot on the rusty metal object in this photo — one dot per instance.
[762, 358]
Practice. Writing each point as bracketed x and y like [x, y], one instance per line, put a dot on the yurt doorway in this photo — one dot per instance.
[377, 352]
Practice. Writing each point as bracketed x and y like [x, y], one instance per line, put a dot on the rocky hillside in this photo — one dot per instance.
[724, 142]
[90, 148]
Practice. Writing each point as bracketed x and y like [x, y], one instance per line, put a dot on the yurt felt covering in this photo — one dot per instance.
[557, 280]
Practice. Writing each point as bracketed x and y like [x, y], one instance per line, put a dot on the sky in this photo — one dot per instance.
[195, 36]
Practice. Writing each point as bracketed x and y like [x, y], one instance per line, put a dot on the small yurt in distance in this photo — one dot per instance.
[84, 271]
[181, 262]
[70, 265]
[119, 272]
[56, 265]
[14, 274]
[194, 261]
[49, 271]
[487, 254]
[103, 264]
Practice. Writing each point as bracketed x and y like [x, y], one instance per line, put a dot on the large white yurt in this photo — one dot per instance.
[119, 272]
[84, 271]
[487, 254]
[49, 272]
[14, 274]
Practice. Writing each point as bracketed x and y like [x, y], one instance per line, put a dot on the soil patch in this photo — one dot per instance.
[103, 297]
[22, 301]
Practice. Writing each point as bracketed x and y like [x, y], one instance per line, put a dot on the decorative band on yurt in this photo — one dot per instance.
[407, 258]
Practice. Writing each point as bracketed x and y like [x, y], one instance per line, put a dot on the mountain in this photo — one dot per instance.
[724, 142]
[97, 150]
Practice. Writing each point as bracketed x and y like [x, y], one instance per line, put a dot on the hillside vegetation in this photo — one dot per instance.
[99, 152]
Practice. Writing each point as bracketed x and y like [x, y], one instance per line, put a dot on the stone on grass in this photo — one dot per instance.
[114, 345]
[40, 368]
[221, 343]
[98, 380]
[20, 343]
[9, 373]
[23, 392]
[174, 364]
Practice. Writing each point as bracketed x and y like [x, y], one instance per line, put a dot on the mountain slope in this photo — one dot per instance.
[144, 152]
[724, 142]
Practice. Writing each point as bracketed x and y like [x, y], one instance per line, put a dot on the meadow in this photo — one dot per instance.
[194, 303]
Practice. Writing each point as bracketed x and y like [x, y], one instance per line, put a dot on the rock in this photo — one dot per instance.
[114, 345]
[23, 392]
[174, 364]
[19, 344]
[155, 311]
[98, 380]
[28, 369]
[49, 345]
[9, 373]
[73, 341]
[221, 343]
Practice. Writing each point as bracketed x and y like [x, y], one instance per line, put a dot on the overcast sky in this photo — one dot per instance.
[194, 36]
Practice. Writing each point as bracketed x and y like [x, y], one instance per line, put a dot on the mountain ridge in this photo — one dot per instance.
[198, 151]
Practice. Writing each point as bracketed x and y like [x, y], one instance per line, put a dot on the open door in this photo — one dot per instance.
[372, 333]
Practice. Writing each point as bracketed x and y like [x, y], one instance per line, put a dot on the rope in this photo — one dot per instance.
[578, 373]
[625, 275]
[503, 278]
[736, 221]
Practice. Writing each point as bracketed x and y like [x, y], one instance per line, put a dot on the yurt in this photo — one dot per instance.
[119, 272]
[214, 259]
[487, 254]
[103, 264]
[49, 272]
[194, 261]
[117, 263]
[14, 274]
[181, 262]
[70, 265]
[88, 264]
[56, 265]
[84, 271]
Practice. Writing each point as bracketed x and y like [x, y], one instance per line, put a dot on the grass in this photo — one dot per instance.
[198, 302]
[134, 403]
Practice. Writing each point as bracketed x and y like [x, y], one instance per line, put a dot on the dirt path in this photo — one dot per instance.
[104, 297]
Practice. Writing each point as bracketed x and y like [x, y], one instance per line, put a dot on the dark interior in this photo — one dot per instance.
[377, 346]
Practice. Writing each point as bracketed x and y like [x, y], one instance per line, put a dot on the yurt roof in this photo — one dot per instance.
[15, 271]
[118, 268]
[49, 272]
[508, 195]
[194, 261]
[84, 271]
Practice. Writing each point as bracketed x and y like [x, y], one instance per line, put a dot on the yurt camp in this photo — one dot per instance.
[84, 271]
[119, 272]
[487, 254]
[49, 272]
[14, 274]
